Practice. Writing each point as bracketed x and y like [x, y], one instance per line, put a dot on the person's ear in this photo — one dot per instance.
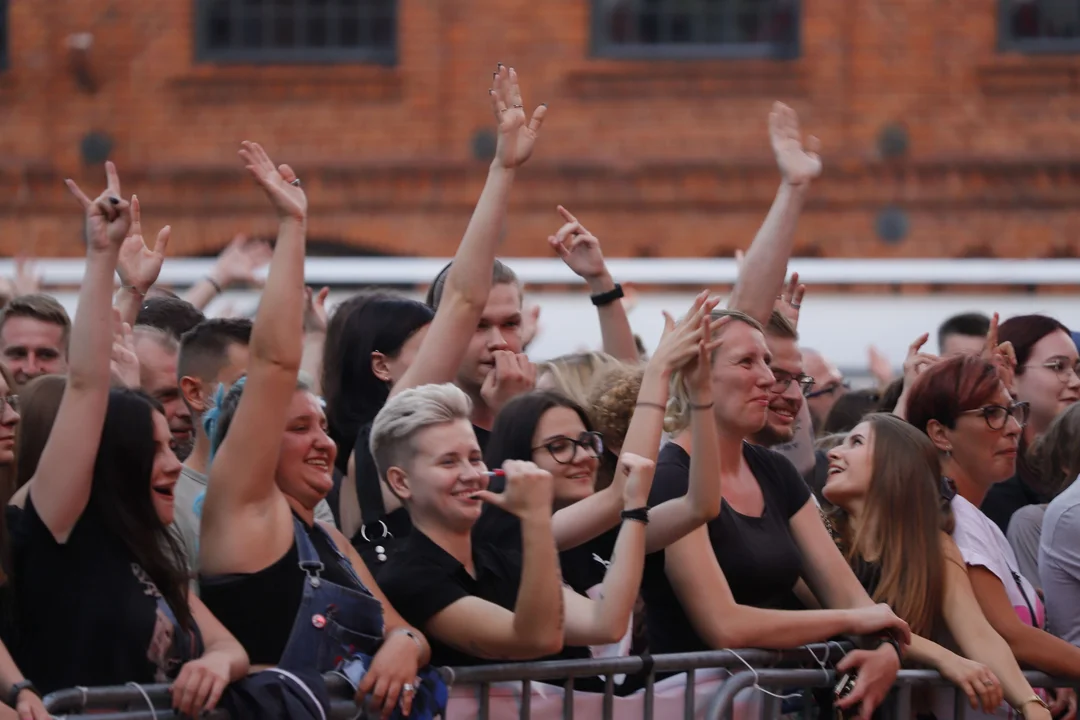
[191, 389]
[398, 481]
[380, 367]
[940, 436]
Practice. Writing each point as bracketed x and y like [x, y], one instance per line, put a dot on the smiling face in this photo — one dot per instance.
[1049, 381]
[32, 348]
[574, 478]
[784, 405]
[444, 471]
[166, 470]
[851, 467]
[305, 469]
[741, 379]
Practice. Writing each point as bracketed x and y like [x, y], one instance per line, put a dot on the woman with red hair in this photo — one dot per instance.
[963, 406]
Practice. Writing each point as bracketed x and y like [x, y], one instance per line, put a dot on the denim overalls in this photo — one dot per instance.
[340, 629]
[333, 622]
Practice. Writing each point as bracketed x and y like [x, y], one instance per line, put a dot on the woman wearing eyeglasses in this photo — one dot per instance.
[962, 405]
[1047, 364]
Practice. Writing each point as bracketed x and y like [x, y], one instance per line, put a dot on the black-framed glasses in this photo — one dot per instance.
[784, 380]
[1061, 367]
[9, 401]
[830, 389]
[563, 449]
[997, 415]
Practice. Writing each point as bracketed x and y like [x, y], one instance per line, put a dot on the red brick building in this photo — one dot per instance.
[949, 129]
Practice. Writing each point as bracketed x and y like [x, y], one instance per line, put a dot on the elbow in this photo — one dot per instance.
[538, 647]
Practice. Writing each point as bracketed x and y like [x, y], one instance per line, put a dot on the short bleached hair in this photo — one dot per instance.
[409, 412]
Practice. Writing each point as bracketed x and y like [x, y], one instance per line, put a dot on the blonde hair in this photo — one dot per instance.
[573, 374]
[677, 417]
[409, 412]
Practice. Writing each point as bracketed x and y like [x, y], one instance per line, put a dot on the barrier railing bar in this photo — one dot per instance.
[526, 696]
[903, 702]
[688, 695]
[609, 697]
[650, 689]
[485, 700]
[724, 699]
[960, 705]
[568, 699]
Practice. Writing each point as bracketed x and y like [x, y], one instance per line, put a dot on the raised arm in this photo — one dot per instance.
[245, 515]
[586, 519]
[604, 621]
[468, 282]
[765, 265]
[60, 487]
[138, 265]
[235, 265]
[580, 250]
[535, 627]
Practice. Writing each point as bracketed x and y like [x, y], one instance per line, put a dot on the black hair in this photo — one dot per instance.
[515, 425]
[173, 315]
[377, 321]
[850, 409]
[204, 348]
[500, 274]
[120, 496]
[972, 324]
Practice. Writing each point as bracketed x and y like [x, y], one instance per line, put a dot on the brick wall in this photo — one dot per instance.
[658, 158]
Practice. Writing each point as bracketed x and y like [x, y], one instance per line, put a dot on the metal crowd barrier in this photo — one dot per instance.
[787, 670]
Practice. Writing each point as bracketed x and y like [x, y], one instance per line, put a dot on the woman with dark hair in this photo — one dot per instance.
[102, 589]
[292, 589]
[397, 344]
[39, 401]
[553, 431]
[893, 522]
[962, 405]
[1047, 379]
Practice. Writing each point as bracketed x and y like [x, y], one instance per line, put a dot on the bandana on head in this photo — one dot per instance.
[212, 416]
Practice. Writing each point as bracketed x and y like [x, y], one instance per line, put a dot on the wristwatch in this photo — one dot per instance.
[16, 690]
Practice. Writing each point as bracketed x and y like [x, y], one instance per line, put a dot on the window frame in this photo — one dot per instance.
[601, 47]
[1030, 46]
[368, 55]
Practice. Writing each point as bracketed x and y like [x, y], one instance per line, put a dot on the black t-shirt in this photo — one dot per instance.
[423, 580]
[583, 566]
[88, 612]
[758, 555]
[1005, 498]
[259, 608]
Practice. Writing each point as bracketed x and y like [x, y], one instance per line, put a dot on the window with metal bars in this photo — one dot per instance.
[1051, 26]
[687, 29]
[296, 31]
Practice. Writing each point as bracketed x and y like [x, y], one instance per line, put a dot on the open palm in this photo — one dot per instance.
[288, 199]
[516, 136]
[798, 165]
[138, 265]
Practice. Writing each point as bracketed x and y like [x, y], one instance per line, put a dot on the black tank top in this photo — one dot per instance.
[259, 608]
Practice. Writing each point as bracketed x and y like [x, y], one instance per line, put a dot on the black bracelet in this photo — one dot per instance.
[640, 514]
[16, 690]
[606, 298]
[214, 282]
[889, 639]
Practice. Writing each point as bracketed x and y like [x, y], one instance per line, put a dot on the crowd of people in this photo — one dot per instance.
[238, 506]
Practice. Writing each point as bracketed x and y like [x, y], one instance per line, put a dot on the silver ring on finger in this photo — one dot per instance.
[795, 305]
[521, 107]
[296, 182]
[408, 688]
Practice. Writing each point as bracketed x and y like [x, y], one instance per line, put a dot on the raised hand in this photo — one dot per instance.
[879, 365]
[698, 371]
[790, 299]
[27, 278]
[917, 361]
[108, 217]
[578, 247]
[679, 344]
[279, 183]
[1001, 355]
[138, 265]
[528, 492]
[315, 317]
[516, 137]
[638, 472]
[798, 165]
[512, 375]
[239, 260]
[124, 363]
